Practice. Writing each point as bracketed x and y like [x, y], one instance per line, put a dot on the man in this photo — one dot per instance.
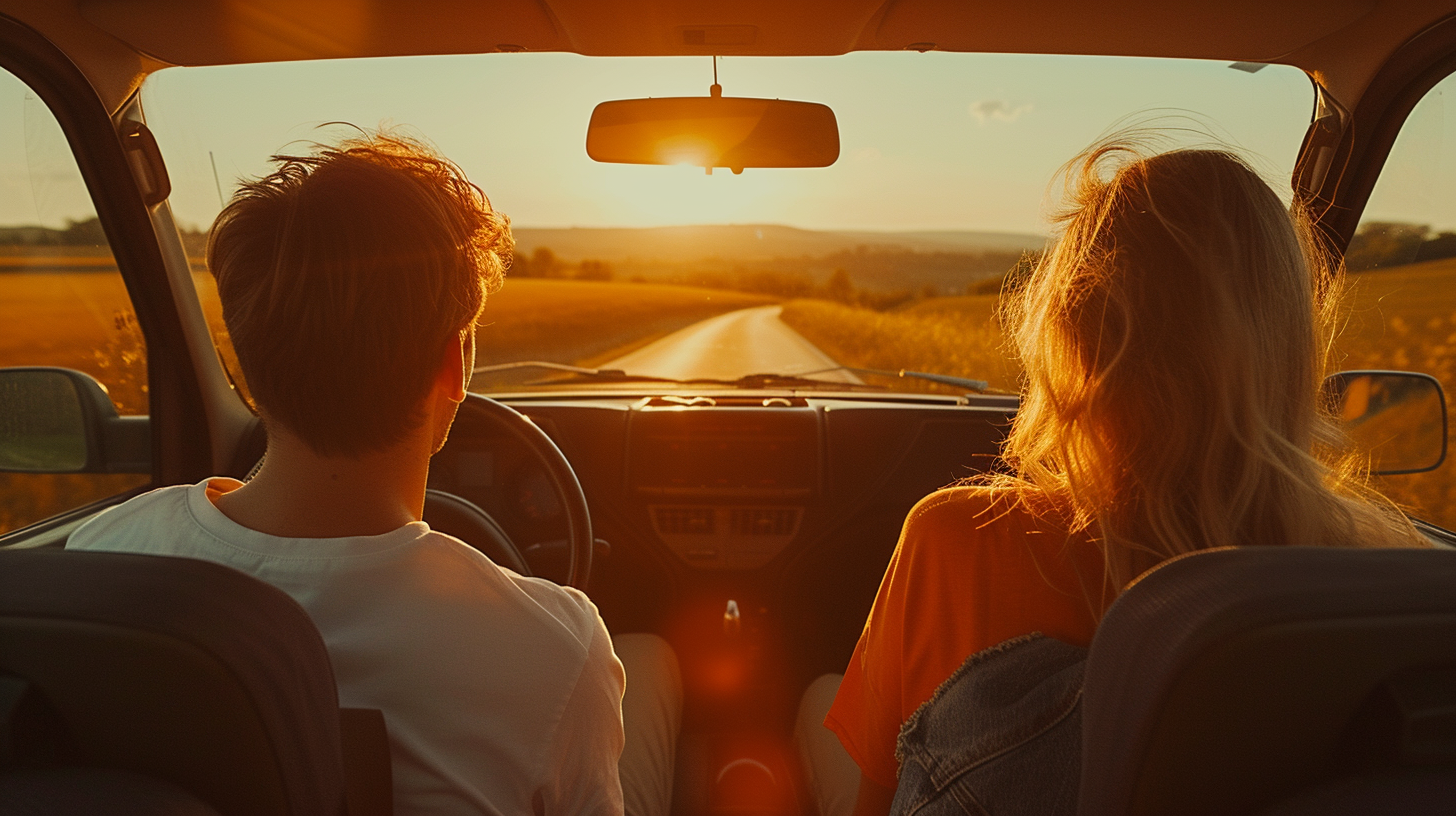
[351, 279]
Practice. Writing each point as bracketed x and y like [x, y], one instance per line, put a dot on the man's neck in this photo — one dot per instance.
[301, 494]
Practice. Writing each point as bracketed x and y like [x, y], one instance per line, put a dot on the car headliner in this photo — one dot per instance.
[116, 43]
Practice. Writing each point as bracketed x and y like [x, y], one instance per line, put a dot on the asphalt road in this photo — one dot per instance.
[732, 345]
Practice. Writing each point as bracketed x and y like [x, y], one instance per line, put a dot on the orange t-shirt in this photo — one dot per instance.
[973, 568]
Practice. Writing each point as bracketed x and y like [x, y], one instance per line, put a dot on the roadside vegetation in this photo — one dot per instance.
[951, 335]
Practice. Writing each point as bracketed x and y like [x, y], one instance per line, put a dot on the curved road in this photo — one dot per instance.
[729, 346]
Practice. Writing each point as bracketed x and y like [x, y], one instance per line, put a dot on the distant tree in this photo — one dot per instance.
[545, 264]
[194, 241]
[1009, 281]
[29, 236]
[986, 286]
[87, 232]
[520, 266]
[840, 287]
[1385, 243]
[929, 290]
[768, 282]
[594, 271]
[884, 301]
[1440, 246]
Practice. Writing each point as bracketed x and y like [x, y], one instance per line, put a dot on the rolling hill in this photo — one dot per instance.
[751, 242]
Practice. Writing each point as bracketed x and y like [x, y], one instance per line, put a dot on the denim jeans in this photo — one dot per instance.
[1001, 737]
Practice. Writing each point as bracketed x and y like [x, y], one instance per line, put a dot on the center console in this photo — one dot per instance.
[725, 482]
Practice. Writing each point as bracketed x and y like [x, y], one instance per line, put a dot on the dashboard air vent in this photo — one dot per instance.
[764, 521]
[685, 520]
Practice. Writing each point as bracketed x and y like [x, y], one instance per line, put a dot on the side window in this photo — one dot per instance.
[62, 303]
[1402, 281]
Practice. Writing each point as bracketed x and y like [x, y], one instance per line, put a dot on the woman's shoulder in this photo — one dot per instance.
[971, 523]
[977, 506]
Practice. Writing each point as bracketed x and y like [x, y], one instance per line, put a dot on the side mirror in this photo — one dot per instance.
[55, 420]
[1397, 418]
[714, 131]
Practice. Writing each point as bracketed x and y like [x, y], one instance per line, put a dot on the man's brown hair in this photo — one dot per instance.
[343, 276]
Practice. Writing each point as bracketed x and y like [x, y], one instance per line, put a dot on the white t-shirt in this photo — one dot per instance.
[501, 693]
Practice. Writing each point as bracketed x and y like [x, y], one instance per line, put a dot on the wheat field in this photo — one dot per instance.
[952, 335]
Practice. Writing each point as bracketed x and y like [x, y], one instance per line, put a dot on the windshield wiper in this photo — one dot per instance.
[769, 380]
[979, 386]
[618, 375]
[610, 374]
[748, 381]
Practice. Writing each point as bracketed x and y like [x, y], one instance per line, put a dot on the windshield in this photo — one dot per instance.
[891, 259]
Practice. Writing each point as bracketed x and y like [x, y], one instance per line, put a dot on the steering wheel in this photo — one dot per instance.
[456, 516]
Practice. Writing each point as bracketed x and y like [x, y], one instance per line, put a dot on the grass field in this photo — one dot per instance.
[952, 335]
[83, 320]
[77, 320]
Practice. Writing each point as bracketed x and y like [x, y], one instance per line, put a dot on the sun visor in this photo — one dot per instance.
[218, 32]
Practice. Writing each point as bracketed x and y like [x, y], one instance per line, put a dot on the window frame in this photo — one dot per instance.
[181, 449]
[1405, 78]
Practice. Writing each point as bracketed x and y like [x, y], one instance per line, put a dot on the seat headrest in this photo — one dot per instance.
[181, 670]
[1223, 681]
[53, 791]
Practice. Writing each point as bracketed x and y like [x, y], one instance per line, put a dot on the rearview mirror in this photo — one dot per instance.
[55, 420]
[714, 131]
[1396, 418]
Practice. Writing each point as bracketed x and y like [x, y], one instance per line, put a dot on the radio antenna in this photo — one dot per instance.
[217, 183]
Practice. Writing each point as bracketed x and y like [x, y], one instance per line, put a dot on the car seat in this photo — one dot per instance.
[1276, 680]
[143, 684]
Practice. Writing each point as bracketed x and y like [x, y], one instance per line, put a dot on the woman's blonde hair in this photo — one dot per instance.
[1174, 341]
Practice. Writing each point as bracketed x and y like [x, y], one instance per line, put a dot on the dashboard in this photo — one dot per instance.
[786, 503]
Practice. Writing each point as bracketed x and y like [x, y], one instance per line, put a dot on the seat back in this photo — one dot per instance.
[1228, 681]
[175, 669]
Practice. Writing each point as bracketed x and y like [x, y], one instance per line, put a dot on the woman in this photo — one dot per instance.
[1173, 343]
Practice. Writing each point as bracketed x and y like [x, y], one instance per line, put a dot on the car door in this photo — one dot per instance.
[1388, 202]
[83, 286]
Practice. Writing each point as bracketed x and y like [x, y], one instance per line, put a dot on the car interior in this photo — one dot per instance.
[741, 507]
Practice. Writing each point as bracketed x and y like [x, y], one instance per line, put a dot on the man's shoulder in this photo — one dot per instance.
[541, 604]
[127, 525]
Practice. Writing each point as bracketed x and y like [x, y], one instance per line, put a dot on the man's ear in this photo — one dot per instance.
[455, 366]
